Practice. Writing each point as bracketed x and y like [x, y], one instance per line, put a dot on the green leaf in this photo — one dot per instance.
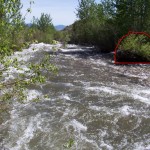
[69, 144]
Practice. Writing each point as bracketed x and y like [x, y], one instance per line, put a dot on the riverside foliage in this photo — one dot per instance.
[15, 35]
[137, 47]
[104, 23]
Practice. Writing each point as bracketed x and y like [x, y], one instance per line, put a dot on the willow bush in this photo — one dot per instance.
[137, 46]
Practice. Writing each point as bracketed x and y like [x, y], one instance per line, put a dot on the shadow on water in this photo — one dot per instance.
[83, 52]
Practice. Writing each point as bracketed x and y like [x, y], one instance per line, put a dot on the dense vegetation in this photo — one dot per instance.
[104, 23]
[134, 48]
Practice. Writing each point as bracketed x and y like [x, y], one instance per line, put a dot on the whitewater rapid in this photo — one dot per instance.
[91, 100]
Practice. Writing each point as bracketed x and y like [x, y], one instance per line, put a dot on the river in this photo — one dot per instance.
[100, 105]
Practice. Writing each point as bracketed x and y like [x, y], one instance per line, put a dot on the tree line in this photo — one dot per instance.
[101, 24]
[104, 23]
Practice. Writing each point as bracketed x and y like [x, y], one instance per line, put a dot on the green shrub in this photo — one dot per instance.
[138, 45]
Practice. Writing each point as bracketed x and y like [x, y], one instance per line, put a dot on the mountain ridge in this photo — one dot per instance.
[60, 27]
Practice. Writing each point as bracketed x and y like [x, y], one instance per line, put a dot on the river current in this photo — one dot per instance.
[100, 105]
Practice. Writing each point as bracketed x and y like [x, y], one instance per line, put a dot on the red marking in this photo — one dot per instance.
[119, 41]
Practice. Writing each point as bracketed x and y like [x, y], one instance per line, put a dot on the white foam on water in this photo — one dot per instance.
[69, 50]
[92, 142]
[106, 146]
[28, 132]
[64, 84]
[15, 70]
[65, 97]
[78, 126]
[126, 110]
[141, 99]
[143, 95]
[69, 84]
[138, 93]
[12, 72]
[97, 108]
[145, 92]
[8, 77]
[103, 133]
[142, 146]
[98, 62]
[65, 114]
[141, 76]
[32, 94]
[103, 109]
[102, 89]
[69, 112]
[85, 84]
[71, 46]
[21, 56]
[29, 126]
[47, 47]
[26, 54]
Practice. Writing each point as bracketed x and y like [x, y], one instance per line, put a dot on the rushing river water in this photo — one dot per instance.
[101, 106]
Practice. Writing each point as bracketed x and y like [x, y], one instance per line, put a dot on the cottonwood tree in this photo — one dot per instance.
[91, 27]
[129, 14]
[10, 24]
[85, 9]
[44, 23]
[43, 29]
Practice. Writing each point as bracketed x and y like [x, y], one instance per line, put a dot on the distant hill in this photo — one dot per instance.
[68, 28]
[29, 24]
[59, 27]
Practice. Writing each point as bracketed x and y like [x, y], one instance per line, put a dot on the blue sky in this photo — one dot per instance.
[61, 11]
